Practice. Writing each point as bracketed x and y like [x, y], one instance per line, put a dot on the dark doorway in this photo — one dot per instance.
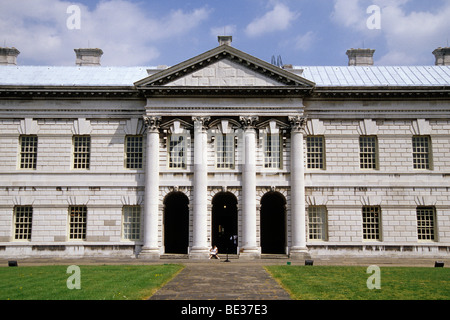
[224, 222]
[273, 223]
[176, 223]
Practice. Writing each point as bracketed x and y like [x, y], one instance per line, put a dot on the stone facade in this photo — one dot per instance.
[223, 147]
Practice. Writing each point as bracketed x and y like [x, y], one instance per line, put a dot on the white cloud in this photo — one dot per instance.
[226, 30]
[409, 36]
[279, 18]
[305, 41]
[123, 30]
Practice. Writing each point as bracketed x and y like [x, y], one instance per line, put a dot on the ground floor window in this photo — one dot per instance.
[317, 223]
[23, 217]
[77, 222]
[371, 216]
[426, 217]
[131, 226]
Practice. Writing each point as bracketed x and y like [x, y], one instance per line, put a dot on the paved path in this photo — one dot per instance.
[219, 280]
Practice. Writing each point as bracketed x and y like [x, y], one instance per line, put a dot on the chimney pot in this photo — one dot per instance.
[8, 56]
[360, 57]
[225, 40]
[88, 57]
[442, 56]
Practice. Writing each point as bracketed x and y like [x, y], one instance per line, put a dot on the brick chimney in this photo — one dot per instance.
[442, 56]
[8, 56]
[88, 57]
[360, 57]
[225, 40]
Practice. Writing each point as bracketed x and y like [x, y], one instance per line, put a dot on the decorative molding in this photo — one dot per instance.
[367, 127]
[81, 126]
[420, 127]
[28, 126]
[316, 200]
[77, 200]
[200, 121]
[133, 200]
[371, 200]
[425, 200]
[134, 126]
[314, 127]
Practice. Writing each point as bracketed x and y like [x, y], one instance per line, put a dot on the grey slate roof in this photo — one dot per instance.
[323, 76]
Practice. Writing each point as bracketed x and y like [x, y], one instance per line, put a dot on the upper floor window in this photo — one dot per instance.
[272, 151]
[315, 152]
[134, 151]
[225, 151]
[421, 152]
[177, 151]
[368, 152]
[81, 152]
[28, 151]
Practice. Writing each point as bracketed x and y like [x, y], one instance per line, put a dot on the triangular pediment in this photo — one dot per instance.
[224, 66]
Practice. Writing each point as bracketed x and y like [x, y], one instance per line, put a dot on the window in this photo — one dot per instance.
[133, 152]
[131, 227]
[426, 223]
[23, 218]
[272, 151]
[81, 152]
[421, 152]
[177, 151]
[317, 222]
[28, 152]
[368, 152]
[77, 222]
[315, 152]
[225, 151]
[371, 222]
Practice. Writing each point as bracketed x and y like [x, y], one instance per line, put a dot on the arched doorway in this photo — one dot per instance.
[273, 223]
[224, 222]
[176, 223]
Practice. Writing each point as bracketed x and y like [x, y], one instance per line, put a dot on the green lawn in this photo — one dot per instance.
[107, 282]
[350, 283]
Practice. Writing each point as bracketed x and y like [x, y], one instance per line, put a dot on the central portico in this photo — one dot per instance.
[225, 122]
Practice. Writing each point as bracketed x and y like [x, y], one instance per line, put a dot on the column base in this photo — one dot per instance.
[149, 254]
[299, 253]
[250, 254]
[199, 253]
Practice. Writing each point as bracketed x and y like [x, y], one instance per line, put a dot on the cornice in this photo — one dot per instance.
[65, 92]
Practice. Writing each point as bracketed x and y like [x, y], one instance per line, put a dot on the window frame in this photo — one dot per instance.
[26, 227]
[322, 213]
[31, 156]
[416, 155]
[433, 227]
[269, 154]
[84, 157]
[177, 164]
[135, 211]
[134, 160]
[368, 226]
[77, 225]
[315, 155]
[221, 153]
[367, 155]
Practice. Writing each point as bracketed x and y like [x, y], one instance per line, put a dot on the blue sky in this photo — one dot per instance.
[157, 32]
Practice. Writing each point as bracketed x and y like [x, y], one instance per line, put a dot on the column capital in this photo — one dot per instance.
[297, 123]
[248, 122]
[152, 123]
[203, 121]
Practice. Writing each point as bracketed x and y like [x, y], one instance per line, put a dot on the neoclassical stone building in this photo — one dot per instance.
[224, 149]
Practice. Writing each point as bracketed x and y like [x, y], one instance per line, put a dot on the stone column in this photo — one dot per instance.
[150, 249]
[249, 243]
[298, 247]
[200, 245]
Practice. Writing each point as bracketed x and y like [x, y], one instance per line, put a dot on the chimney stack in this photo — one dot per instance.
[225, 40]
[88, 57]
[360, 57]
[8, 56]
[442, 56]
